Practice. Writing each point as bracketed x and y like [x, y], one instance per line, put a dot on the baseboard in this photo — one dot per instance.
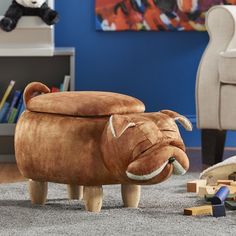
[7, 159]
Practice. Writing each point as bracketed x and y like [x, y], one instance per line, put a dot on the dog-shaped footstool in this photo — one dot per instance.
[92, 139]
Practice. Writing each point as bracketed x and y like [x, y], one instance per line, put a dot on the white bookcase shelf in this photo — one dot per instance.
[49, 70]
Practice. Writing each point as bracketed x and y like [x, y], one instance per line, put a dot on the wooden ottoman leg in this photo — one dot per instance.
[38, 192]
[93, 196]
[131, 195]
[75, 192]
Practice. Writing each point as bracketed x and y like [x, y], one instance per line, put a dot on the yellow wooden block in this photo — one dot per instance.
[207, 190]
[213, 189]
[233, 183]
[224, 181]
[200, 210]
[193, 186]
[232, 189]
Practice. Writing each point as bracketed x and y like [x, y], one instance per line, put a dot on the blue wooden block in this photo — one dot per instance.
[230, 197]
[218, 210]
[220, 196]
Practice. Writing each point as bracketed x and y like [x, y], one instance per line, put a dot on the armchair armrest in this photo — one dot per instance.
[227, 67]
[229, 53]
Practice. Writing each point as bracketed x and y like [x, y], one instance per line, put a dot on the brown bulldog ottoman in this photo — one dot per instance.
[92, 139]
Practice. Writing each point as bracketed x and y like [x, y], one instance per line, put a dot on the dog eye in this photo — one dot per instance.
[167, 130]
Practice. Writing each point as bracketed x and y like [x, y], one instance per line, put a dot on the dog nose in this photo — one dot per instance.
[34, 2]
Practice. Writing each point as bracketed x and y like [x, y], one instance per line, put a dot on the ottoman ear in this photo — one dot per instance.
[184, 121]
[119, 124]
[34, 89]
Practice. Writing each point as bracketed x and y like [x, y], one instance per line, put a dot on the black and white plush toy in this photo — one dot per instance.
[20, 8]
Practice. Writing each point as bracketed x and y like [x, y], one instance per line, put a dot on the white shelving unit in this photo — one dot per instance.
[27, 54]
[49, 70]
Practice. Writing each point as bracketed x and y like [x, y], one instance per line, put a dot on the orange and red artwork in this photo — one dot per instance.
[158, 15]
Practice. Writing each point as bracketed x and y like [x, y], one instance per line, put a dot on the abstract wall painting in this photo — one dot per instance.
[156, 15]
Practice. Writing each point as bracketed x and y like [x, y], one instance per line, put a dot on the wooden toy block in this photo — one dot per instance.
[232, 189]
[233, 183]
[197, 211]
[230, 197]
[231, 205]
[232, 176]
[220, 196]
[193, 186]
[202, 191]
[211, 190]
[225, 182]
[218, 210]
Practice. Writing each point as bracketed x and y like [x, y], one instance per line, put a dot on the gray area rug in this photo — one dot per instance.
[160, 213]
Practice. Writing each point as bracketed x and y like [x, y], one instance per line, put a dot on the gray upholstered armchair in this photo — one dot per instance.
[216, 83]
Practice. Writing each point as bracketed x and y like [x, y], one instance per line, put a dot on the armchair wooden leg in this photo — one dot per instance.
[213, 142]
[131, 195]
[38, 192]
[75, 192]
[93, 196]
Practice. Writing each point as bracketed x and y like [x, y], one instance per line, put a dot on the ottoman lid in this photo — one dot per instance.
[83, 103]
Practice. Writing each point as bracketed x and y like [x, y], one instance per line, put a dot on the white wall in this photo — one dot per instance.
[4, 4]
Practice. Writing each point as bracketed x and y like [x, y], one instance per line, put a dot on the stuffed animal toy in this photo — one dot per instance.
[20, 8]
[93, 139]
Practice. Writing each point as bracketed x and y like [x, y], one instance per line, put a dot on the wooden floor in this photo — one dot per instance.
[9, 173]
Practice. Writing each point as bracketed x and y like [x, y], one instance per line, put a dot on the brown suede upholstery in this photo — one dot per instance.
[95, 150]
[143, 147]
[81, 103]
